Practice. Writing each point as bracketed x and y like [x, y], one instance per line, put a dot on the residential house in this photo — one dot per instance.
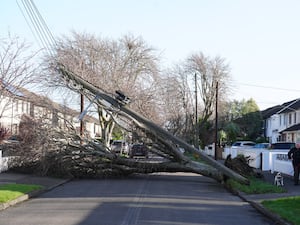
[17, 102]
[282, 122]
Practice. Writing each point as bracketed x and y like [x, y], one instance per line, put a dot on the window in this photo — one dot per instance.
[27, 107]
[285, 120]
[17, 105]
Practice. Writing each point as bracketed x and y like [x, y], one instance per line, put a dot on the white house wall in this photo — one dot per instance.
[279, 122]
[14, 109]
[12, 112]
[273, 126]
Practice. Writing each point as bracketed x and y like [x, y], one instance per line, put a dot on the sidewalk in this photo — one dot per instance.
[292, 190]
[50, 183]
[256, 199]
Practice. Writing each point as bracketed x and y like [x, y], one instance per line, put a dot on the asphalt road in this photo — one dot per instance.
[157, 199]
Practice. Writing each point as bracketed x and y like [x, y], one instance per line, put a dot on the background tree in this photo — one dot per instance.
[177, 103]
[210, 72]
[242, 120]
[127, 64]
[250, 122]
[17, 70]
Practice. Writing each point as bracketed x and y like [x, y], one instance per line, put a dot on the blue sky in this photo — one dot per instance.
[258, 38]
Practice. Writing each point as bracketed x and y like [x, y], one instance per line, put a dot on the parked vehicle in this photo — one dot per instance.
[240, 144]
[138, 150]
[13, 140]
[120, 147]
[283, 145]
[262, 145]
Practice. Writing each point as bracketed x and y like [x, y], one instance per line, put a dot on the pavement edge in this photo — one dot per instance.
[31, 195]
[259, 207]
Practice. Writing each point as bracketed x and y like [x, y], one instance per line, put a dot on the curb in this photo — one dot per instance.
[30, 195]
[277, 219]
[259, 207]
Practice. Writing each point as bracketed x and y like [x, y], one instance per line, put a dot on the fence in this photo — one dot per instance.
[264, 159]
[3, 162]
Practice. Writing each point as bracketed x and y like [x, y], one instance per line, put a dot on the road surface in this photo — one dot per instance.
[156, 199]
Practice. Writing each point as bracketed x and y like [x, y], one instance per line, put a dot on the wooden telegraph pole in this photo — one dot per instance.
[196, 115]
[81, 111]
[216, 123]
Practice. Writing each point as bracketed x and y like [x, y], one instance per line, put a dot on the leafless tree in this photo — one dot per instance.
[210, 72]
[179, 93]
[128, 65]
[17, 70]
[178, 106]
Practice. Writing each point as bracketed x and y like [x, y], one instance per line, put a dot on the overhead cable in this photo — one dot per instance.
[37, 25]
[269, 87]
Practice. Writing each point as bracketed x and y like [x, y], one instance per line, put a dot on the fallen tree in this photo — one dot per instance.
[55, 153]
[168, 144]
[60, 153]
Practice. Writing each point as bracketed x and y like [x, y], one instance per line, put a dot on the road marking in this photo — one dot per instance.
[133, 213]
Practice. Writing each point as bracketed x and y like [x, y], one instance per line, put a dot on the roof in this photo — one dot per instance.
[270, 111]
[283, 108]
[295, 127]
[294, 105]
[43, 101]
[46, 102]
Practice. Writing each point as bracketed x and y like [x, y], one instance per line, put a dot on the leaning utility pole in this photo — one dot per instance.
[147, 124]
[81, 111]
[196, 115]
[216, 123]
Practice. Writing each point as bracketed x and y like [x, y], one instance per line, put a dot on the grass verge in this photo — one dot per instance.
[9, 192]
[286, 208]
[257, 186]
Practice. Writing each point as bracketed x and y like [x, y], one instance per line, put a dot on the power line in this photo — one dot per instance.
[269, 87]
[38, 25]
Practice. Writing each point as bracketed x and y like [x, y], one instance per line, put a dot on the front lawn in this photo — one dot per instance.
[9, 192]
[257, 186]
[286, 208]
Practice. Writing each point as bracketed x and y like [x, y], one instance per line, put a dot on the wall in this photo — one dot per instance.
[264, 159]
[3, 163]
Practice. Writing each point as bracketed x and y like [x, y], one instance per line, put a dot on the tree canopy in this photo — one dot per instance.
[243, 120]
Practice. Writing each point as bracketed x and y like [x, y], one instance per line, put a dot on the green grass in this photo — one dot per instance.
[257, 186]
[9, 192]
[286, 208]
